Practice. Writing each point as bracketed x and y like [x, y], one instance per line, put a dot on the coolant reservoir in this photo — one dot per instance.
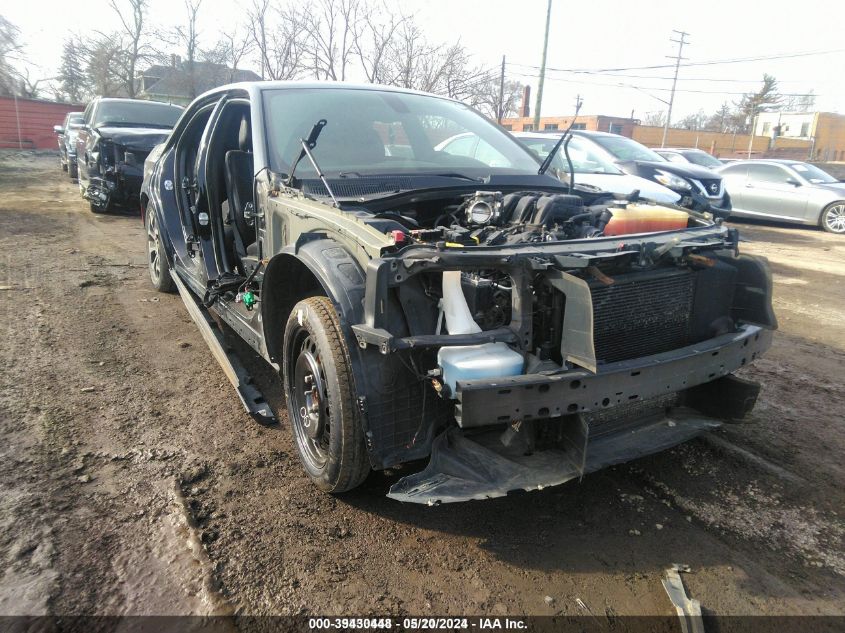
[645, 218]
[467, 362]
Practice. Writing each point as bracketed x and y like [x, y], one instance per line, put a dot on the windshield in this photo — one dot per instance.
[75, 120]
[627, 149]
[378, 132]
[141, 113]
[813, 174]
[585, 160]
[698, 157]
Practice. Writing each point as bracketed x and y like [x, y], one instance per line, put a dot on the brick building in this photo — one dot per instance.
[595, 122]
[823, 131]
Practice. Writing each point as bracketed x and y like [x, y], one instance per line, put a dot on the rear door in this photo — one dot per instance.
[768, 193]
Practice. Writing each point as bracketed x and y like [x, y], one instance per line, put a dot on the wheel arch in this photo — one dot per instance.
[319, 267]
[825, 207]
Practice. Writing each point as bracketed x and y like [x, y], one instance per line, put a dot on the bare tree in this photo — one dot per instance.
[696, 121]
[277, 33]
[655, 119]
[186, 36]
[372, 38]
[484, 96]
[331, 29]
[104, 61]
[10, 48]
[132, 15]
[232, 47]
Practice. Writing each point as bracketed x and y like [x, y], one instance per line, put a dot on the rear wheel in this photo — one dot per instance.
[832, 219]
[73, 170]
[321, 399]
[156, 260]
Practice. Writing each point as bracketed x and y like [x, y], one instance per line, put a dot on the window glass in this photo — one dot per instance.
[698, 157]
[615, 128]
[385, 132]
[625, 148]
[585, 160]
[767, 173]
[673, 157]
[460, 145]
[813, 173]
[736, 169]
[140, 113]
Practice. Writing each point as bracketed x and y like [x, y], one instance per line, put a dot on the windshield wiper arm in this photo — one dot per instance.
[567, 136]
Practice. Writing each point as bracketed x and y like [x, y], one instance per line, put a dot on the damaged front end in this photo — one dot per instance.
[558, 348]
[116, 168]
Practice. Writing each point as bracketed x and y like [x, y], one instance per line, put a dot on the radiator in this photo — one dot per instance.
[641, 314]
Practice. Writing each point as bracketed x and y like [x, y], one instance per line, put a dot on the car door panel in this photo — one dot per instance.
[766, 193]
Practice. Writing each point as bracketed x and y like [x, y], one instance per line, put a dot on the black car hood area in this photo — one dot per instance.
[686, 170]
[140, 138]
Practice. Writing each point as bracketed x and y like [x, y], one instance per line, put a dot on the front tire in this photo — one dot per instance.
[320, 394]
[157, 264]
[73, 170]
[832, 218]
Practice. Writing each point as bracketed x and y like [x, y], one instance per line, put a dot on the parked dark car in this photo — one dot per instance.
[66, 135]
[691, 155]
[419, 303]
[115, 139]
[701, 189]
[786, 190]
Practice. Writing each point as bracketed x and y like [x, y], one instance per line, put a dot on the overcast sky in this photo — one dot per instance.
[591, 34]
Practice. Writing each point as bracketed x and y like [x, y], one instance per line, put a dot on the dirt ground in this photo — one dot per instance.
[132, 481]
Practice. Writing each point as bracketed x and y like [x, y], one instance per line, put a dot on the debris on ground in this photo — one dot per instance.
[689, 610]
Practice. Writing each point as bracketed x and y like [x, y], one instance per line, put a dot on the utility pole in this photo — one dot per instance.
[500, 111]
[542, 68]
[680, 42]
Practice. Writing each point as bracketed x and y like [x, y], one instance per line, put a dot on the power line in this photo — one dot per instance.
[625, 85]
[666, 78]
[714, 62]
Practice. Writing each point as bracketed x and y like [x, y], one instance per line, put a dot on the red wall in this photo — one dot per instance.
[37, 119]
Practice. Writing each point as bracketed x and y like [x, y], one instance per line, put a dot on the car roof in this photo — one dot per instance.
[679, 149]
[120, 100]
[773, 161]
[255, 87]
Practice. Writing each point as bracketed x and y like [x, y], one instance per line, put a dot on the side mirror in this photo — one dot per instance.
[793, 182]
[58, 129]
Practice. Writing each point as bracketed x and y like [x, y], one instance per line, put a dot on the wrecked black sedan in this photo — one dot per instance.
[115, 138]
[420, 304]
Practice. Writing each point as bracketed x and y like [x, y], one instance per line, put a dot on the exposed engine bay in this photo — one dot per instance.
[492, 218]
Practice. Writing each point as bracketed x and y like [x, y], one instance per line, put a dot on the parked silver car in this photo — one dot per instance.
[689, 155]
[786, 190]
